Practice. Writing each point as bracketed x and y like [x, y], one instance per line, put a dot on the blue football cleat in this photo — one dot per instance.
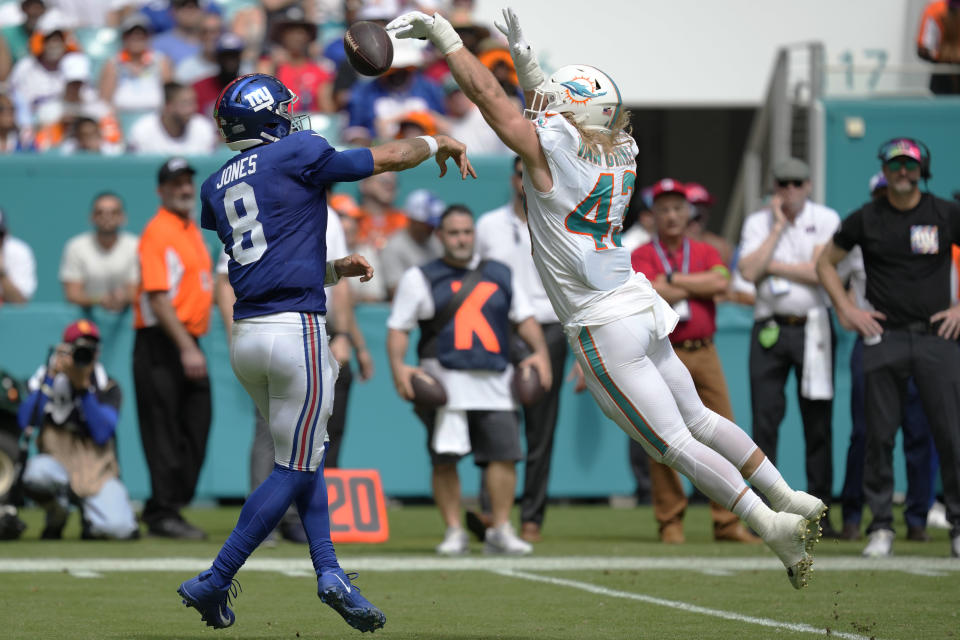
[202, 594]
[336, 589]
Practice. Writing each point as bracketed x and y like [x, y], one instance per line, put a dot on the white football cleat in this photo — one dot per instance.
[811, 508]
[455, 542]
[503, 540]
[787, 539]
[880, 544]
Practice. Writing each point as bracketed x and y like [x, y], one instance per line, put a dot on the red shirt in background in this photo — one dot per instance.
[304, 80]
[703, 312]
[207, 90]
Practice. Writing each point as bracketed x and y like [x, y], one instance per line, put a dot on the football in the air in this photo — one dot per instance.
[369, 48]
[526, 385]
[427, 390]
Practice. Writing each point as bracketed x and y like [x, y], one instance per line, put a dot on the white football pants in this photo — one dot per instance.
[283, 362]
[640, 383]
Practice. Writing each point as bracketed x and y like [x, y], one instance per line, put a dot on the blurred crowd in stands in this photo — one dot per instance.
[138, 76]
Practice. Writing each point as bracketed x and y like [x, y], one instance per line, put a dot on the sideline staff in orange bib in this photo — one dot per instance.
[169, 369]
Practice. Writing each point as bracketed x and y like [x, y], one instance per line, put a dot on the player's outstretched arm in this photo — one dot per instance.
[482, 88]
[398, 155]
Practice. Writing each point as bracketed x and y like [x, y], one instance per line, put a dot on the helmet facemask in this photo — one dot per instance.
[300, 122]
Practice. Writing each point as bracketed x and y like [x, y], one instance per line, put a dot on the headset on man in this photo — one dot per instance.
[906, 147]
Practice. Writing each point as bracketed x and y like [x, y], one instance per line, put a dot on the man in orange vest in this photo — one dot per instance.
[169, 369]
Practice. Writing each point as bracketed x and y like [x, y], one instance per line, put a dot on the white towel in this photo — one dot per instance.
[451, 435]
[817, 380]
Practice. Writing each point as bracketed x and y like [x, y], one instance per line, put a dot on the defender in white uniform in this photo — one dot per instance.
[579, 173]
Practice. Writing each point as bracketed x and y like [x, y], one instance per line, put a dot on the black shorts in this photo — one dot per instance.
[494, 436]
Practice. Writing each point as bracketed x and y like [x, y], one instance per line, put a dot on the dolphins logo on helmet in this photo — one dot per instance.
[585, 92]
[255, 109]
[578, 90]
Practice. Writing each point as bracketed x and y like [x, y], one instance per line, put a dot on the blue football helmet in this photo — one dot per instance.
[254, 109]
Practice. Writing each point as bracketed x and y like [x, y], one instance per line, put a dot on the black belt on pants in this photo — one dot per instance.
[921, 327]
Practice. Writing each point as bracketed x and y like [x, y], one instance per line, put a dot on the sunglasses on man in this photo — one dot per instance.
[902, 163]
[783, 184]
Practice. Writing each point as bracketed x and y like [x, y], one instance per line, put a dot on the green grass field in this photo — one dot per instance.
[599, 573]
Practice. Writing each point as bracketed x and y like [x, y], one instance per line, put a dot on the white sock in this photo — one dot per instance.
[769, 482]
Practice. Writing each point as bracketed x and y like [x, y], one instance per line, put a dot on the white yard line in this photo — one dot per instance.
[927, 566]
[681, 606]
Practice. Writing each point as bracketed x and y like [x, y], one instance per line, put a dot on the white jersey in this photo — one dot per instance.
[575, 231]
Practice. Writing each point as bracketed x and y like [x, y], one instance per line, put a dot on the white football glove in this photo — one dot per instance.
[524, 59]
[435, 28]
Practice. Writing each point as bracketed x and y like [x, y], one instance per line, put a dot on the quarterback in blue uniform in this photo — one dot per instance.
[268, 206]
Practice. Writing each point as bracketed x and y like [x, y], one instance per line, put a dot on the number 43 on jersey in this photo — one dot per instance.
[600, 198]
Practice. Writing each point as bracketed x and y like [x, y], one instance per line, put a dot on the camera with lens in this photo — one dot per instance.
[83, 352]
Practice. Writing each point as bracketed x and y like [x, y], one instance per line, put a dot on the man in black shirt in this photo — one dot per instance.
[911, 329]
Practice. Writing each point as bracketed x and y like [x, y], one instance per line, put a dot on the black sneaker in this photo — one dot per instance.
[918, 534]
[175, 528]
[52, 532]
[11, 526]
[478, 523]
[851, 531]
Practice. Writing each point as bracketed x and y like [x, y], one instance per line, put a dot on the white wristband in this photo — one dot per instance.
[430, 140]
[331, 277]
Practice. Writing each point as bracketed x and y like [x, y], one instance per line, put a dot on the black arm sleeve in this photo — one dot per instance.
[850, 232]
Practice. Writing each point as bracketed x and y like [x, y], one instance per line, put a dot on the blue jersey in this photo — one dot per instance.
[268, 204]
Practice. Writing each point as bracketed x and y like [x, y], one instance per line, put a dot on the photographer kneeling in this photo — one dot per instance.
[75, 406]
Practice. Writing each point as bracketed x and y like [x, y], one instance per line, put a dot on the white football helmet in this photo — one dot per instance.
[590, 95]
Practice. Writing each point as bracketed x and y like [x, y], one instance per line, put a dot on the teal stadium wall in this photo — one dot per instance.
[47, 199]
